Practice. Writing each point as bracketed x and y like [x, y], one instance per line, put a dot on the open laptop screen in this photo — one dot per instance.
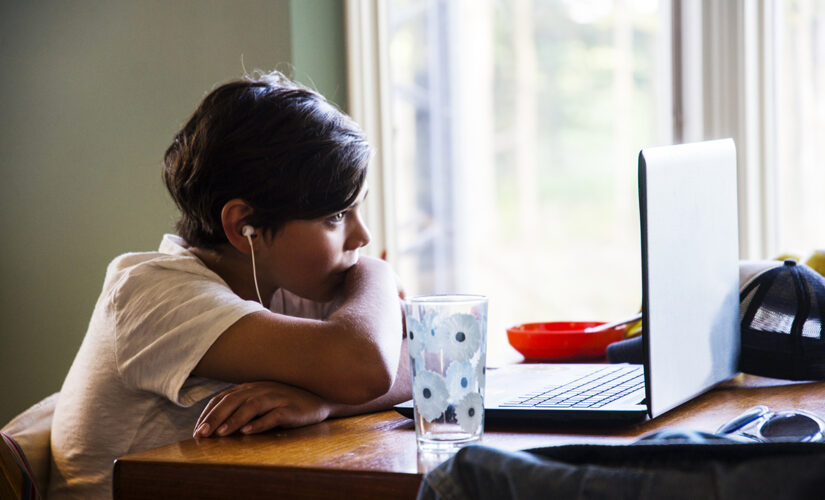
[690, 270]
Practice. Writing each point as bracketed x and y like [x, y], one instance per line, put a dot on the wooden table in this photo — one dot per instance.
[375, 456]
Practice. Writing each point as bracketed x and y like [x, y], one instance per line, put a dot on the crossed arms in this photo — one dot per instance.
[296, 371]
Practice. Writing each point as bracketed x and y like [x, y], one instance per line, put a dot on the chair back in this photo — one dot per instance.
[25, 451]
[16, 478]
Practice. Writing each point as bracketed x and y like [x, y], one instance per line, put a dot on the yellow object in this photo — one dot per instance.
[817, 261]
[633, 329]
[786, 256]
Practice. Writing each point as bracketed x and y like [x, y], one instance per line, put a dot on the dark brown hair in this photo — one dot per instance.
[281, 148]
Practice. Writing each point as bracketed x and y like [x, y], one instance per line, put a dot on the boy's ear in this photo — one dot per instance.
[234, 215]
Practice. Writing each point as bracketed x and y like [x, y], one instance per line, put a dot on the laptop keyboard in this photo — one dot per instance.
[591, 391]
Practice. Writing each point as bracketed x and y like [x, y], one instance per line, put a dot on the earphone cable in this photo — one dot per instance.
[254, 270]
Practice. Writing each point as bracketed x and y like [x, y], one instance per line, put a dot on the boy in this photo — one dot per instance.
[269, 178]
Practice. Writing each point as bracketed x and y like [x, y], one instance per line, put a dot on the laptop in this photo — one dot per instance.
[690, 304]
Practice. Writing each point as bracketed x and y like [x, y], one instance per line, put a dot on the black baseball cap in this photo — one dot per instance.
[781, 314]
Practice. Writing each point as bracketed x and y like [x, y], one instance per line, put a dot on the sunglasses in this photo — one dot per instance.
[763, 425]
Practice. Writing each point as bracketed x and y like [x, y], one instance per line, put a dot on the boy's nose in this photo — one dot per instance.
[359, 236]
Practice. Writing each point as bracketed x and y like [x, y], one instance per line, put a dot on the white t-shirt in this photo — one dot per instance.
[129, 388]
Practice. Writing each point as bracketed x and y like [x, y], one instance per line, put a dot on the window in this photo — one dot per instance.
[798, 139]
[516, 126]
[508, 132]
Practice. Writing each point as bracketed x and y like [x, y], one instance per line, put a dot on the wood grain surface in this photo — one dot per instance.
[375, 455]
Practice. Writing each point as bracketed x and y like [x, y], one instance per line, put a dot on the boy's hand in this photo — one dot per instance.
[259, 406]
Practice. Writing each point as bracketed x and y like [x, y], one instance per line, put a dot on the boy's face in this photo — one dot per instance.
[310, 257]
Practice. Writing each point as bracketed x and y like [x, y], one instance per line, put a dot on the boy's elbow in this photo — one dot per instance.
[364, 385]
[367, 371]
[380, 383]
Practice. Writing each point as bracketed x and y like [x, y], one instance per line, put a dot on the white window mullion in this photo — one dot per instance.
[691, 46]
[762, 23]
[369, 106]
[770, 24]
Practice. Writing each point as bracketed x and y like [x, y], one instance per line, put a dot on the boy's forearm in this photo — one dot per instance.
[259, 406]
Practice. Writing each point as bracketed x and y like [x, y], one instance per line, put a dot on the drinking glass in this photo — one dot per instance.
[447, 337]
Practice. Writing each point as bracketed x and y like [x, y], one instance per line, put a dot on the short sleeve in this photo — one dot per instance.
[168, 312]
[286, 302]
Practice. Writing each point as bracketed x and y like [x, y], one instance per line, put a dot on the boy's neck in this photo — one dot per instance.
[235, 268]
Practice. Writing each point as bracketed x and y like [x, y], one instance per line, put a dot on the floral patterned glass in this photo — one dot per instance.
[447, 337]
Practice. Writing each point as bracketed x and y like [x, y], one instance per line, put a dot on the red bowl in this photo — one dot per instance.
[562, 340]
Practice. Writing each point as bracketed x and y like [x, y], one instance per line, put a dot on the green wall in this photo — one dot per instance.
[319, 31]
[91, 93]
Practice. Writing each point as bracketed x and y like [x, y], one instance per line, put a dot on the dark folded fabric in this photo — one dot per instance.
[680, 465]
[626, 351]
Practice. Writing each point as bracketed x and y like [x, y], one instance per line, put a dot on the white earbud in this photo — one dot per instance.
[249, 231]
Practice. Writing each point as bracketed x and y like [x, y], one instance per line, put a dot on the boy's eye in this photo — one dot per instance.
[338, 217]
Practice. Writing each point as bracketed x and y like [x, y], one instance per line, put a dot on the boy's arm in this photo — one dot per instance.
[351, 358]
[400, 391]
[260, 406]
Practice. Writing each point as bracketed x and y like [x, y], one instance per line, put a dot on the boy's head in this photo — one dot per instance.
[281, 148]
